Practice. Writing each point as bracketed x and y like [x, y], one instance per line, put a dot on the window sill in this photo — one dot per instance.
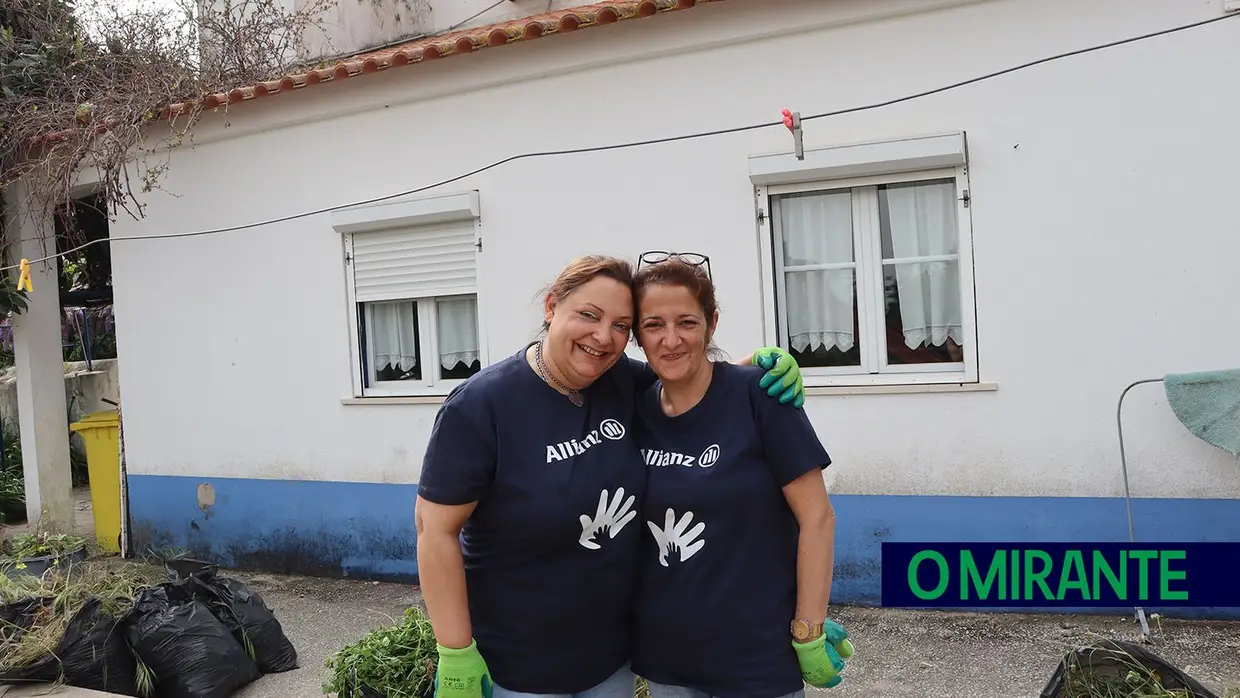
[903, 389]
[810, 390]
[395, 400]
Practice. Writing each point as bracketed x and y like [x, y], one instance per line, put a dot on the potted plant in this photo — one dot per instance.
[35, 553]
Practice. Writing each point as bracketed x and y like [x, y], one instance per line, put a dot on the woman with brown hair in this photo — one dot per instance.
[739, 535]
[527, 539]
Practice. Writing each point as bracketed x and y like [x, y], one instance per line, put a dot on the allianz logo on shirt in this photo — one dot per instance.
[609, 429]
[660, 459]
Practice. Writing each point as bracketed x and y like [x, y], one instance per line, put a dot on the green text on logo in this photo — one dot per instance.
[1036, 575]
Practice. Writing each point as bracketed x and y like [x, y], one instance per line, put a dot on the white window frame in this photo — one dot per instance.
[360, 220]
[861, 168]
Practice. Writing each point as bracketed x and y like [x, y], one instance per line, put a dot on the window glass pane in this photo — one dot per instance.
[819, 304]
[922, 308]
[392, 340]
[459, 355]
[918, 219]
[816, 227]
[822, 318]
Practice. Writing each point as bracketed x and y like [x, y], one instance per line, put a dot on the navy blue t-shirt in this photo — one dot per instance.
[718, 563]
[550, 551]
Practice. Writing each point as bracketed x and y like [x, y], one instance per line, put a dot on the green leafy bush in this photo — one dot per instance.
[12, 478]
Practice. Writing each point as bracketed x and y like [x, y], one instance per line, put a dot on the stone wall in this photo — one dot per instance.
[85, 390]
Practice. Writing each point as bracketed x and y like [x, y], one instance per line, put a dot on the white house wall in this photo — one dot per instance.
[1102, 210]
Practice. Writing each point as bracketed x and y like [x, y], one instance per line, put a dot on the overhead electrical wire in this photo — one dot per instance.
[636, 144]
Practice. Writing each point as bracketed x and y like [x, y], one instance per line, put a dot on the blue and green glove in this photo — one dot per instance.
[822, 660]
[783, 375]
[462, 673]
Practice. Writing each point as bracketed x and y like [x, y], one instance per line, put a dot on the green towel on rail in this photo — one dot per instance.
[1208, 405]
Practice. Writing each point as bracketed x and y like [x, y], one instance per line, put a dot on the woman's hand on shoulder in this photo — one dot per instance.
[783, 375]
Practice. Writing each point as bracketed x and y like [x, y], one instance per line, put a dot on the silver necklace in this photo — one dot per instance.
[574, 396]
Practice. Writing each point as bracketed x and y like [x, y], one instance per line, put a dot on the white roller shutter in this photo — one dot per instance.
[414, 262]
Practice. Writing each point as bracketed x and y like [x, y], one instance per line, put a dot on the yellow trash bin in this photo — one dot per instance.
[100, 431]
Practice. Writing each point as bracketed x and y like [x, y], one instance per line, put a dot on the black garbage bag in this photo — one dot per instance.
[16, 619]
[1087, 671]
[94, 653]
[191, 653]
[182, 568]
[242, 610]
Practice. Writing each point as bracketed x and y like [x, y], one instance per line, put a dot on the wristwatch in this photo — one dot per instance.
[805, 631]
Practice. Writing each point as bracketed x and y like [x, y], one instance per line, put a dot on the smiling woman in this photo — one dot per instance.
[527, 503]
[731, 449]
[588, 314]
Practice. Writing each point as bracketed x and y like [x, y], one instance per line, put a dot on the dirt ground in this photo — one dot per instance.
[900, 654]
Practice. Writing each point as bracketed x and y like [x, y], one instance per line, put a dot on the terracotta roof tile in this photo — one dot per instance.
[451, 44]
[431, 48]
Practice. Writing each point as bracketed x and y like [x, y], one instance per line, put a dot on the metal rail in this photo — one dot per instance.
[1123, 460]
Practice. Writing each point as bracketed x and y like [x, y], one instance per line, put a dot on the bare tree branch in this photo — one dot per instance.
[93, 90]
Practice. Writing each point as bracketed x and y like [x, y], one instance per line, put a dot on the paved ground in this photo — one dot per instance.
[320, 616]
[913, 653]
[83, 518]
[901, 654]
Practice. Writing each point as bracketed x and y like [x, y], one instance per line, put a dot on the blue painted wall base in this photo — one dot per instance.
[317, 528]
[364, 530]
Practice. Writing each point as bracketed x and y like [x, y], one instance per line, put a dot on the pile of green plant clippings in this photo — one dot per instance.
[1116, 669]
[396, 660]
[1135, 684]
[392, 661]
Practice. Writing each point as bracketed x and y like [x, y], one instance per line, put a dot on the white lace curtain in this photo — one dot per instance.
[394, 332]
[921, 219]
[458, 330]
[918, 222]
[817, 230]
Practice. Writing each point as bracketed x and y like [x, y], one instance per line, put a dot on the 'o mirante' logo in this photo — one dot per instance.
[1060, 574]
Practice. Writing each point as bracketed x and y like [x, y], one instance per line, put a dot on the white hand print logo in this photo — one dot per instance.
[673, 536]
[610, 517]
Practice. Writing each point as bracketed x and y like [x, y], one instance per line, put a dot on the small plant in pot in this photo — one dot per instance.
[35, 553]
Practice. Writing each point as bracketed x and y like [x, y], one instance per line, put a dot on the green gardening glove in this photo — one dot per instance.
[462, 673]
[783, 375]
[822, 660]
